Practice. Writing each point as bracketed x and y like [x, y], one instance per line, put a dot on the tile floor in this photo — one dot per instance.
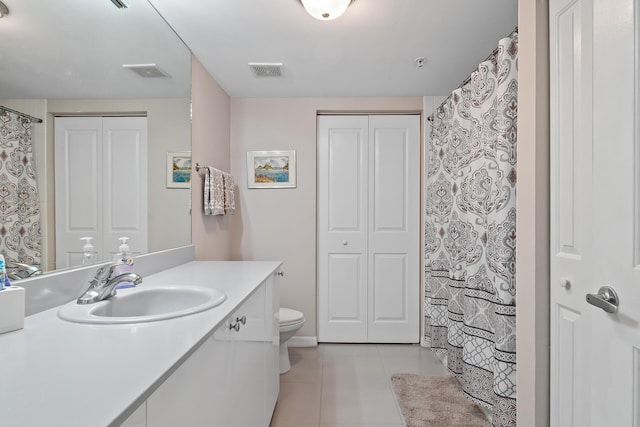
[348, 385]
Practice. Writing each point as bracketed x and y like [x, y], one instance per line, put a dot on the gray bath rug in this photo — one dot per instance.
[435, 401]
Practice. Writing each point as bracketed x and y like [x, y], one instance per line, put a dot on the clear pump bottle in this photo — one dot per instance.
[88, 251]
[123, 262]
[124, 253]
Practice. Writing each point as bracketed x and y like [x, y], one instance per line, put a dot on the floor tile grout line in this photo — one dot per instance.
[390, 385]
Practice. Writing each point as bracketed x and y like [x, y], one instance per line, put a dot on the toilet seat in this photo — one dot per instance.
[290, 317]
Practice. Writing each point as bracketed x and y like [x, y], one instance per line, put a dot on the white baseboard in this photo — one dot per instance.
[297, 341]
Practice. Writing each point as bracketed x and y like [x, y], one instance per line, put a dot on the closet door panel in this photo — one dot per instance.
[78, 185]
[389, 300]
[389, 175]
[345, 183]
[394, 229]
[81, 178]
[125, 182]
[342, 229]
[345, 273]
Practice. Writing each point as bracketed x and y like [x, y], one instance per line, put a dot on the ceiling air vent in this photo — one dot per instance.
[273, 69]
[146, 70]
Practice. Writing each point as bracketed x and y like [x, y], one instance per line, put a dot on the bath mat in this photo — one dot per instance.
[435, 401]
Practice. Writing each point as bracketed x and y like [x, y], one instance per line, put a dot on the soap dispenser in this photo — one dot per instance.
[88, 253]
[123, 262]
[124, 252]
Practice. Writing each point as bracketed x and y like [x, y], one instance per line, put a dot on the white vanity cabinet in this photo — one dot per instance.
[231, 380]
[255, 362]
[197, 393]
[188, 371]
[272, 358]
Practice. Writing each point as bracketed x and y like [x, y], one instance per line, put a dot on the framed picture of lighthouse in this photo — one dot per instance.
[271, 169]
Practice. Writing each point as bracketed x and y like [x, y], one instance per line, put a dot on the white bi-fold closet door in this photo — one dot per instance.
[100, 185]
[369, 228]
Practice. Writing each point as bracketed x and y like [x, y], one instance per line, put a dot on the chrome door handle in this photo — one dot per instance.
[606, 299]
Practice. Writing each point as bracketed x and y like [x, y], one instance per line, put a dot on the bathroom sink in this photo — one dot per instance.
[144, 305]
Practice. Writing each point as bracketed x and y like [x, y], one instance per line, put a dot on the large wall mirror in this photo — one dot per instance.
[71, 59]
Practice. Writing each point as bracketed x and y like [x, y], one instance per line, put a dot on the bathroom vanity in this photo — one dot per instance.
[216, 367]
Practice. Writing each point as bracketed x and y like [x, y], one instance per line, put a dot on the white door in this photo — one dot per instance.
[595, 213]
[124, 151]
[368, 228]
[100, 185]
[78, 187]
[394, 229]
[342, 228]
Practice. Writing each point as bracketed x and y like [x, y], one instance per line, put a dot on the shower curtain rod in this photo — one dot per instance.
[468, 79]
[33, 119]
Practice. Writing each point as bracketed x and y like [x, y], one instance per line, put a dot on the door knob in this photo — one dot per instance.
[606, 299]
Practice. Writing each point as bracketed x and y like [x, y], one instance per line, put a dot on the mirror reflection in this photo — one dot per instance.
[112, 88]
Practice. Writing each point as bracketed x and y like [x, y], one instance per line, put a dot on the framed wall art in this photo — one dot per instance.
[179, 169]
[271, 169]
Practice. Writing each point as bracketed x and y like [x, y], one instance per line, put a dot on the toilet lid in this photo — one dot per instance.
[289, 316]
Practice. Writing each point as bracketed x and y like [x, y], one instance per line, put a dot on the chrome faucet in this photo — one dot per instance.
[101, 287]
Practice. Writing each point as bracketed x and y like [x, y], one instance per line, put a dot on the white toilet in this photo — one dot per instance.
[290, 322]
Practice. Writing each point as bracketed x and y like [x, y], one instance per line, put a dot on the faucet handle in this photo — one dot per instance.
[103, 273]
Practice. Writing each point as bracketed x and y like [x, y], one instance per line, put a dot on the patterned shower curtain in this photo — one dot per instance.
[470, 233]
[19, 205]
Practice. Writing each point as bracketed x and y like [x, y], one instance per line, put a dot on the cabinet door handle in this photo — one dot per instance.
[280, 273]
[242, 319]
[235, 326]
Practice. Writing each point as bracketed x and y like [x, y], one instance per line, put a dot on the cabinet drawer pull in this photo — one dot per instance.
[235, 326]
[280, 273]
[242, 319]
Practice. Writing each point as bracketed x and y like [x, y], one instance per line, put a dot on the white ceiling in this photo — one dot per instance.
[76, 49]
[369, 51]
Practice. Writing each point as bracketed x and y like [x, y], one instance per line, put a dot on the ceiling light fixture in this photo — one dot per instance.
[4, 10]
[326, 10]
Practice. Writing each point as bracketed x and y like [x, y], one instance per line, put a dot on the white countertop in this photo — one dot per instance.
[57, 373]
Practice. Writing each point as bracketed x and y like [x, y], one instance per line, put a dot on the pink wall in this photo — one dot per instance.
[210, 145]
[280, 224]
[532, 264]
